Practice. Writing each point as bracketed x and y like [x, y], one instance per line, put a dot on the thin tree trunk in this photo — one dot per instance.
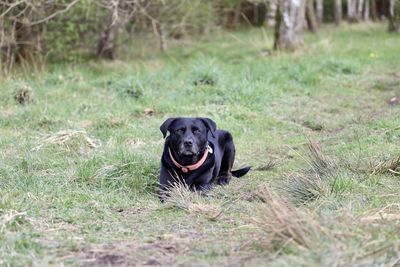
[162, 37]
[320, 10]
[271, 15]
[310, 16]
[236, 15]
[290, 20]
[112, 26]
[107, 44]
[359, 11]
[27, 42]
[374, 11]
[366, 10]
[338, 12]
[394, 16]
[278, 22]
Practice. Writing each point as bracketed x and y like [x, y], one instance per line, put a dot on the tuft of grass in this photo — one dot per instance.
[127, 87]
[192, 203]
[313, 182]
[70, 140]
[24, 95]
[389, 166]
[12, 220]
[337, 66]
[303, 188]
[125, 172]
[205, 72]
[283, 225]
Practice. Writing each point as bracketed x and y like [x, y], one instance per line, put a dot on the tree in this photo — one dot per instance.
[366, 10]
[289, 23]
[271, 12]
[119, 12]
[374, 10]
[354, 10]
[320, 10]
[310, 16]
[394, 16]
[338, 12]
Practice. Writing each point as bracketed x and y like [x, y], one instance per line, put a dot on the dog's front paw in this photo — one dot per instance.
[224, 180]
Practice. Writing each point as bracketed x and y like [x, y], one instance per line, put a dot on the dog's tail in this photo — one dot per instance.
[241, 172]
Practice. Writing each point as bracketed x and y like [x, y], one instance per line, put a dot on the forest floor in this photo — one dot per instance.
[80, 150]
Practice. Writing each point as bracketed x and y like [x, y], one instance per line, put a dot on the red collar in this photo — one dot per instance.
[188, 168]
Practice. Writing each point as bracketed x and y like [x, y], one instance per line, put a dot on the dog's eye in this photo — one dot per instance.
[195, 130]
[181, 130]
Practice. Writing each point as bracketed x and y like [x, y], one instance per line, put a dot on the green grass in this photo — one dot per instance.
[89, 200]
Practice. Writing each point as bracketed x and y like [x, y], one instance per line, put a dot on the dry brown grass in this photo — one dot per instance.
[12, 220]
[281, 224]
[390, 166]
[192, 203]
[389, 213]
[70, 140]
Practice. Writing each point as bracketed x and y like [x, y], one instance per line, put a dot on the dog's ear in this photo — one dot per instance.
[165, 126]
[210, 124]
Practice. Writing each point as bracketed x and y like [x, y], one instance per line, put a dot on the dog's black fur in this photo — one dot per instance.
[188, 140]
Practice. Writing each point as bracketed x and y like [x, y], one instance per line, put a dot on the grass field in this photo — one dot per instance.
[79, 158]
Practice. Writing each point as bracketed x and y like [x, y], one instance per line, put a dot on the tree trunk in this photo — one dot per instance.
[107, 44]
[338, 12]
[374, 11]
[366, 10]
[112, 26]
[310, 16]
[354, 10]
[236, 15]
[271, 15]
[320, 10]
[289, 23]
[359, 12]
[27, 42]
[162, 37]
[394, 16]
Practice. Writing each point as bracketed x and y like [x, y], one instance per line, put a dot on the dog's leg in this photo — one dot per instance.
[203, 188]
[228, 158]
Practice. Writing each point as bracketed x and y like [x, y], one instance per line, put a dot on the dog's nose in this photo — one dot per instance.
[188, 142]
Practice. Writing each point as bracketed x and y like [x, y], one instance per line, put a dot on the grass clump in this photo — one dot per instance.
[24, 95]
[127, 87]
[70, 140]
[205, 72]
[193, 203]
[282, 225]
[390, 166]
[336, 66]
[125, 172]
[313, 182]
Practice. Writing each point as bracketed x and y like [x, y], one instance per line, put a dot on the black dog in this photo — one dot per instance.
[197, 154]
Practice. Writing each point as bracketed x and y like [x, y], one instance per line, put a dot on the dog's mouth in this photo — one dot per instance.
[186, 151]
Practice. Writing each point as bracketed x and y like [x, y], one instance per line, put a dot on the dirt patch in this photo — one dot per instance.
[105, 259]
[126, 253]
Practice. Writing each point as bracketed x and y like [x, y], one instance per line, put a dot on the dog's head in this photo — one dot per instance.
[188, 136]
